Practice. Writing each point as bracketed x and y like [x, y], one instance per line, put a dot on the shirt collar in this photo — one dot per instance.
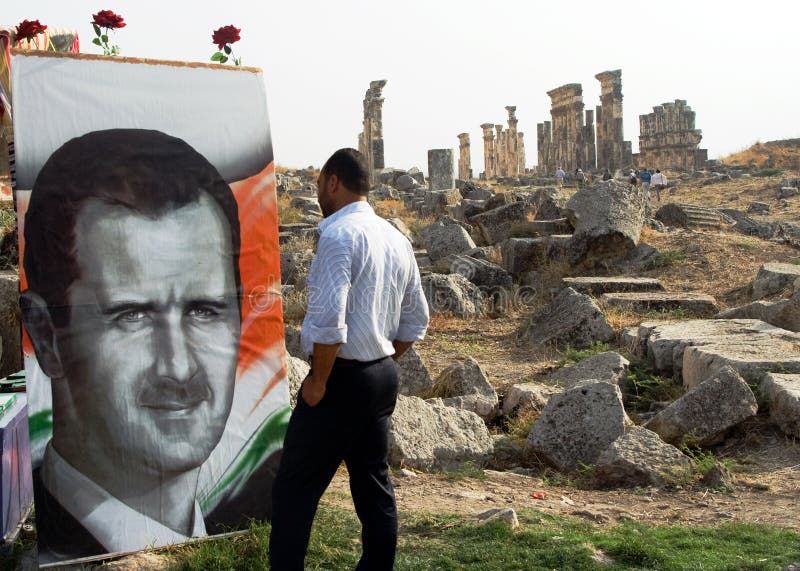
[352, 208]
[114, 524]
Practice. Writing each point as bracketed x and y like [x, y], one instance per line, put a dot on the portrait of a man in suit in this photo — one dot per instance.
[133, 308]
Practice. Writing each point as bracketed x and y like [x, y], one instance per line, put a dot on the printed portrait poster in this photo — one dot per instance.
[150, 280]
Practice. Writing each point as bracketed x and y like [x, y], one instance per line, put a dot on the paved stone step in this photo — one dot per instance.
[599, 285]
[698, 303]
[687, 215]
[695, 349]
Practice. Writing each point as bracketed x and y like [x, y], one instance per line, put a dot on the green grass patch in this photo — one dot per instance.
[543, 542]
[746, 244]
[519, 426]
[466, 470]
[571, 356]
[664, 259]
[769, 172]
[643, 387]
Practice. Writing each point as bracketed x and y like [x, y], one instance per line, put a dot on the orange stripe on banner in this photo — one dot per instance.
[273, 382]
[259, 265]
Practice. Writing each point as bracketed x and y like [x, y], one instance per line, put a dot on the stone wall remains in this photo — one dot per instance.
[668, 139]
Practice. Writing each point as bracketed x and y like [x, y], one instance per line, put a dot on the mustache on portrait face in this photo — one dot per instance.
[167, 394]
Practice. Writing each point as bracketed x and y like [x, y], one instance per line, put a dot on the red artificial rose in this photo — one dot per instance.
[28, 29]
[225, 35]
[108, 19]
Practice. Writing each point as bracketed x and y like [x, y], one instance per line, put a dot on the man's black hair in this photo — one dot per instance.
[351, 168]
[147, 172]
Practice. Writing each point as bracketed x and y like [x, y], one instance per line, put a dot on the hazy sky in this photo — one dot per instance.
[454, 64]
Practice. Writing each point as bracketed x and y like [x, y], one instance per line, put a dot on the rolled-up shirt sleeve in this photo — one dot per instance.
[328, 288]
[414, 313]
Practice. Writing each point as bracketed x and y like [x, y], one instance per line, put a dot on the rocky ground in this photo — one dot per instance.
[720, 260]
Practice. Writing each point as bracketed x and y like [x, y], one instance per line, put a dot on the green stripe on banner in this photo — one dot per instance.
[264, 442]
[40, 425]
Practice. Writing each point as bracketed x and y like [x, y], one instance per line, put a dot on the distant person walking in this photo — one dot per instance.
[580, 178]
[560, 177]
[644, 177]
[606, 175]
[633, 179]
[659, 182]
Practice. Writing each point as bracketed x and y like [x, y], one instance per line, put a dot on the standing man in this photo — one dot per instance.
[659, 182]
[644, 178]
[365, 305]
[560, 177]
[580, 178]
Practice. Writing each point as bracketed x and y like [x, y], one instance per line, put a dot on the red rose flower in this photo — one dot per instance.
[108, 19]
[225, 35]
[29, 29]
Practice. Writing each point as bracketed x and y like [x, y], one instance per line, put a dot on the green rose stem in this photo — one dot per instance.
[102, 41]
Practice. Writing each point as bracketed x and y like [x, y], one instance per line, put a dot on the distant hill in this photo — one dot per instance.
[783, 154]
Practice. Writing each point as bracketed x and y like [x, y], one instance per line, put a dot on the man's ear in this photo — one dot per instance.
[333, 183]
[40, 328]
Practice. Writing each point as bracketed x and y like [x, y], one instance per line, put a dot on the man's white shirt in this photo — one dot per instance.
[658, 178]
[364, 287]
[116, 526]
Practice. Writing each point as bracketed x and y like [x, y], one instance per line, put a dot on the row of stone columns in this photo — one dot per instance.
[503, 151]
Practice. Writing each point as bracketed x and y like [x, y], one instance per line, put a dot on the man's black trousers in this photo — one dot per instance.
[350, 423]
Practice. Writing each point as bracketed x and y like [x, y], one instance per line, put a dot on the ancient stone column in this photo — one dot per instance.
[612, 151]
[520, 153]
[588, 143]
[464, 167]
[500, 152]
[440, 169]
[370, 141]
[544, 144]
[512, 143]
[566, 111]
[488, 150]
[668, 138]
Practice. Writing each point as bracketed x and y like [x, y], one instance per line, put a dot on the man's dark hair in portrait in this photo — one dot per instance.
[145, 171]
[133, 307]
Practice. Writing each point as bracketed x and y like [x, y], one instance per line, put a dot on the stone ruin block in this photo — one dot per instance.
[440, 169]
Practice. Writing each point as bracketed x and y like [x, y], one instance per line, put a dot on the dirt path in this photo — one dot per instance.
[759, 496]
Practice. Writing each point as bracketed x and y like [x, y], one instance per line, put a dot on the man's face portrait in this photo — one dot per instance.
[150, 350]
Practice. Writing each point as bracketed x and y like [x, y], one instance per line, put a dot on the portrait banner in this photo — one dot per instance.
[150, 298]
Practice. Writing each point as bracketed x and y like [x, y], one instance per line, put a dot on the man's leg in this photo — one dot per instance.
[315, 444]
[367, 464]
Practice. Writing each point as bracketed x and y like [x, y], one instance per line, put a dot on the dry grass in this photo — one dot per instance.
[718, 263]
[294, 307]
[738, 194]
[774, 154]
[391, 208]
[620, 318]
[519, 426]
[298, 244]
[493, 343]
[287, 214]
